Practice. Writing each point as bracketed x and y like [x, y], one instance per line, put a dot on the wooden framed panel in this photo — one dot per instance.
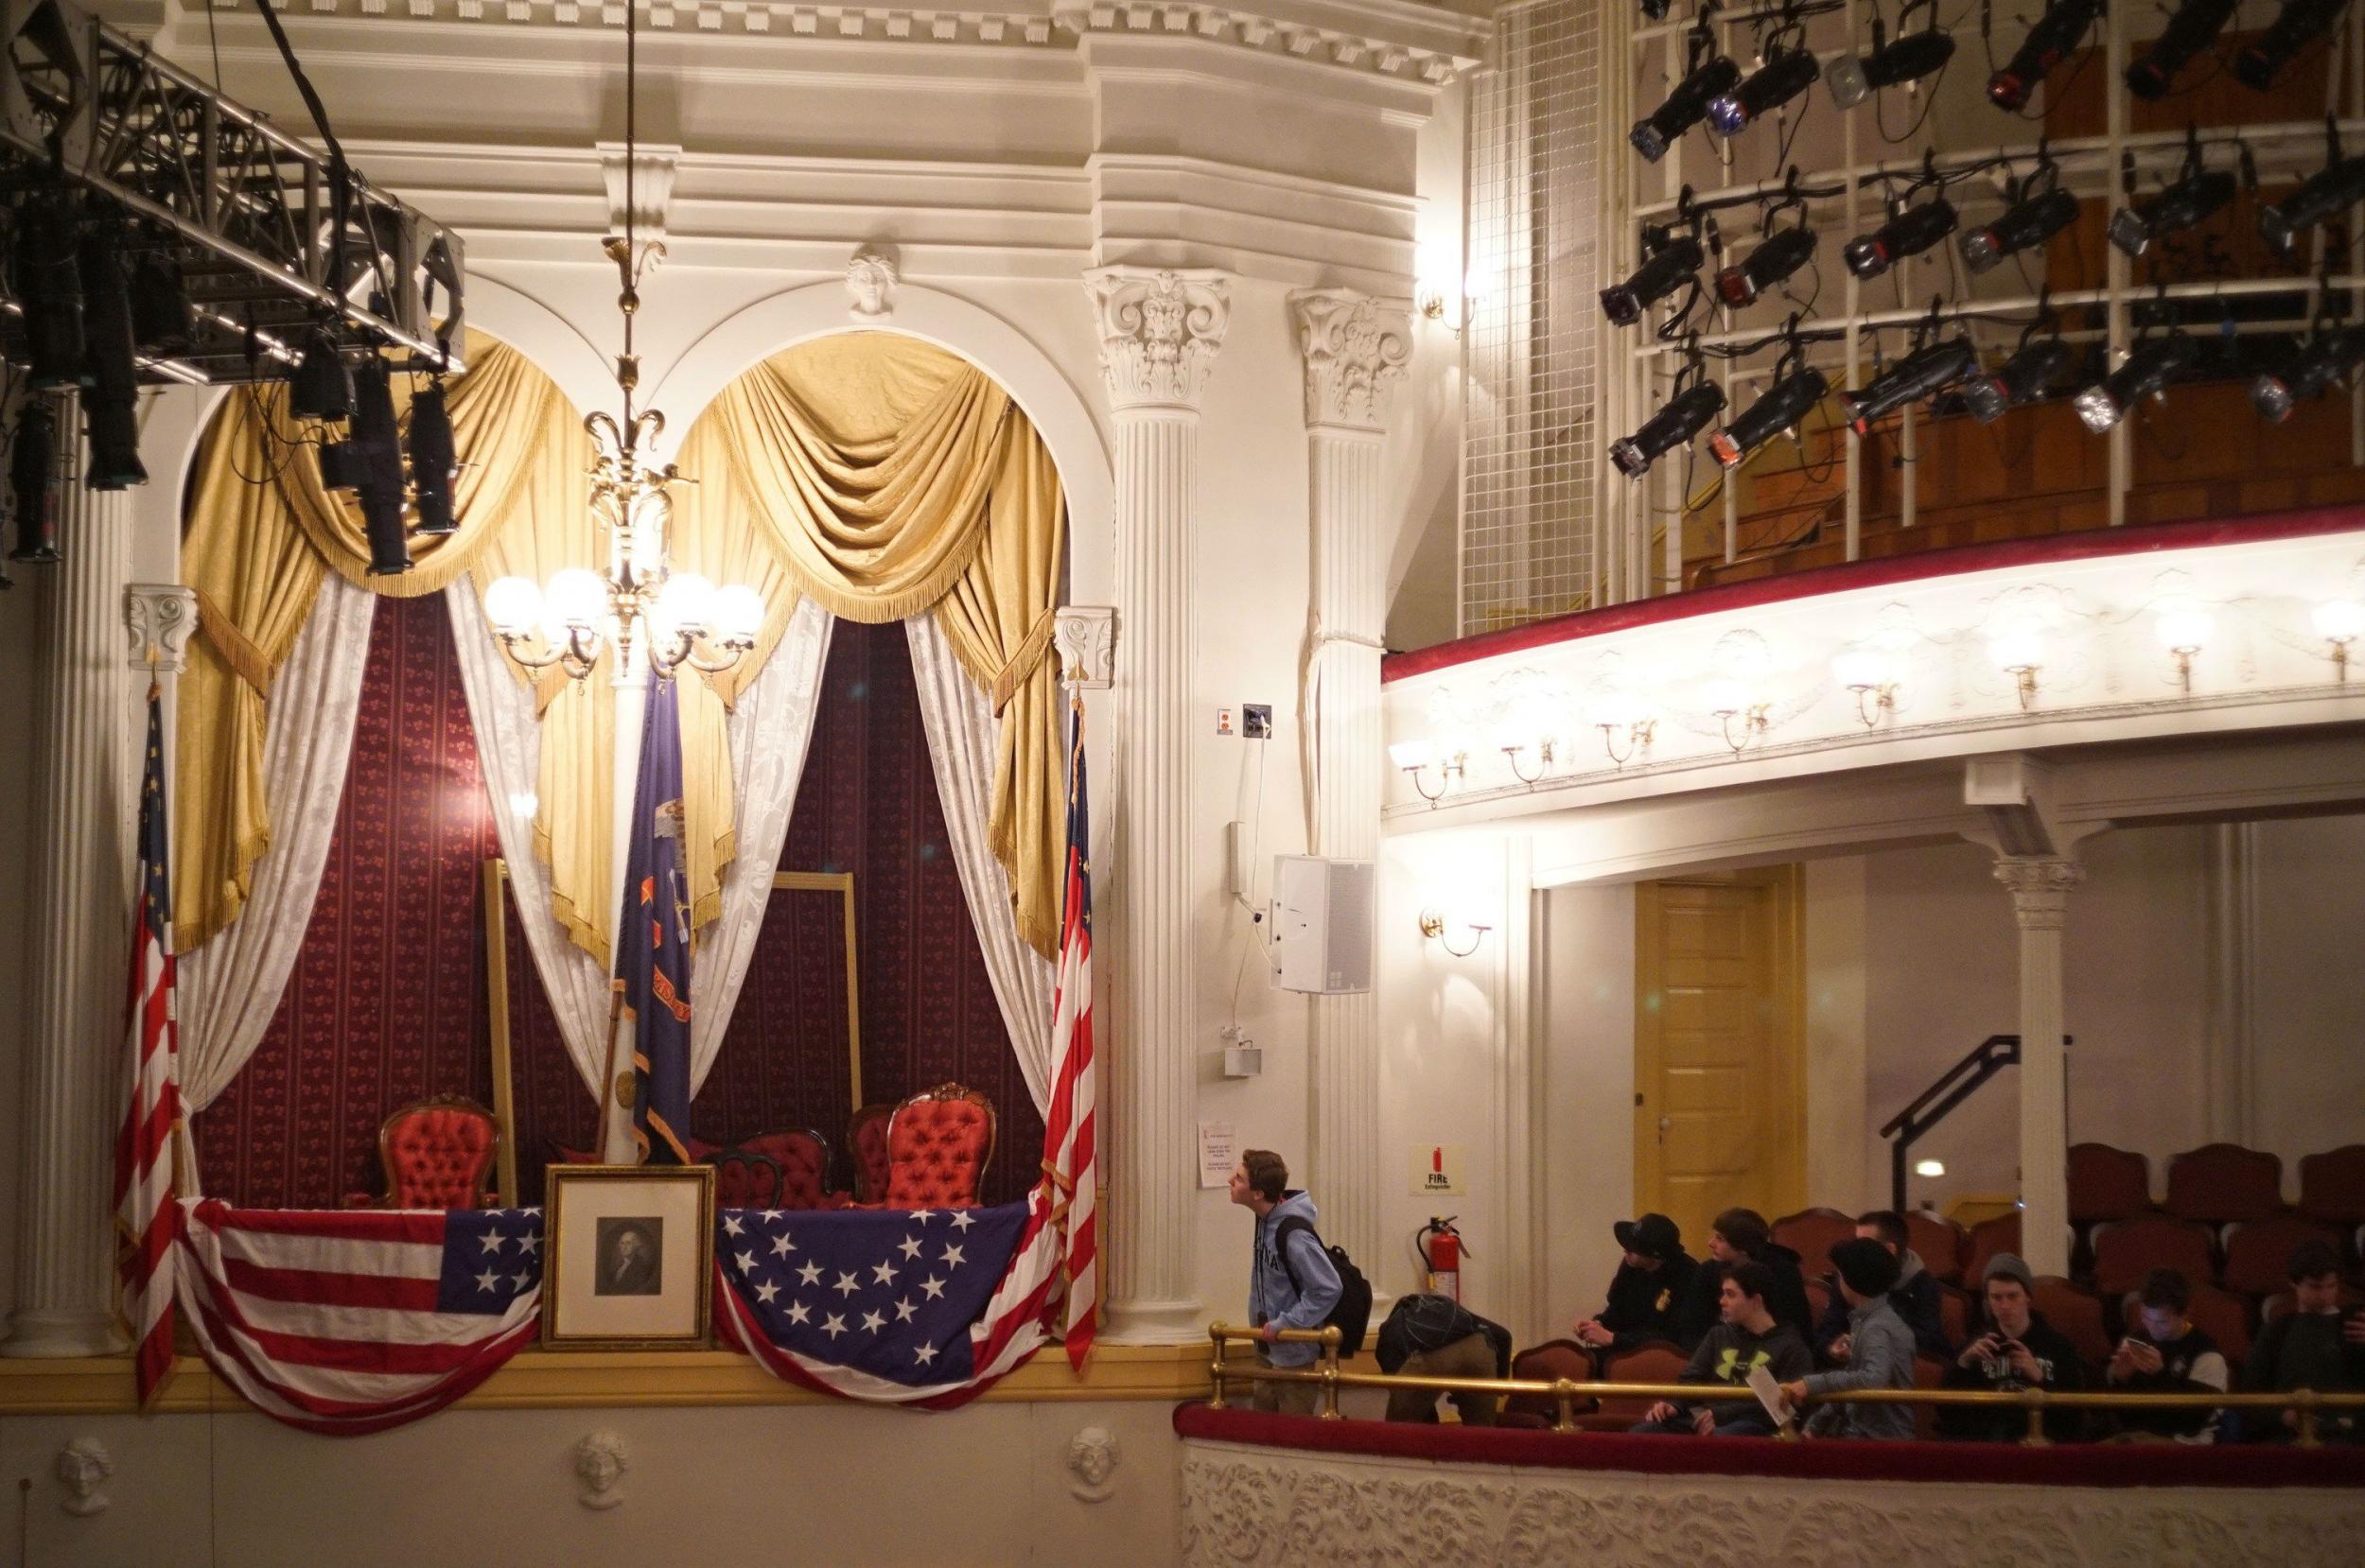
[841, 883]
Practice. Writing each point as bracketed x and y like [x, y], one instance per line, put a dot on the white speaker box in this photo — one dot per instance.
[1322, 924]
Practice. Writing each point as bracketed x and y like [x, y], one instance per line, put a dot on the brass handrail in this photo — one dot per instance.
[1564, 1392]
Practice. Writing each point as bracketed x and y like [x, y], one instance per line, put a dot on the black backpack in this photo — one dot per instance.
[1352, 1313]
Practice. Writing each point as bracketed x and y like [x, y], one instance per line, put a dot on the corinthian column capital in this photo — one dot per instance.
[1160, 329]
[1355, 350]
[2040, 886]
[159, 617]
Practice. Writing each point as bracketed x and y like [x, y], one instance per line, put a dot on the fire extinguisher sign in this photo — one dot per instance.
[1436, 1169]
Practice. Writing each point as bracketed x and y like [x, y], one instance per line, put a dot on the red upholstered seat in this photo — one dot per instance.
[937, 1145]
[1987, 1238]
[867, 1143]
[2219, 1182]
[436, 1153]
[2106, 1183]
[744, 1179]
[2125, 1250]
[1653, 1362]
[802, 1159]
[1554, 1359]
[2256, 1251]
[2077, 1314]
[2332, 1185]
[1940, 1243]
[1812, 1234]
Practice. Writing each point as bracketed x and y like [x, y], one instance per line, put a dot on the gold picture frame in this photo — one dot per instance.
[628, 1257]
[842, 884]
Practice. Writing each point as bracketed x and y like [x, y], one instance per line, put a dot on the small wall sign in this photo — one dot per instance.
[1436, 1170]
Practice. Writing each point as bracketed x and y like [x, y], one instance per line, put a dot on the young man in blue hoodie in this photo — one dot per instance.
[1292, 1292]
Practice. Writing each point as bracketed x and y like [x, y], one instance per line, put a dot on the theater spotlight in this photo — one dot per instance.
[1785, 403]
[2326, 359]
[31, 460]
[1908, 233]
[2190, 201]
[1924, 373]
[48, 286]
[2328, 194]
[377, 451]
[2147, 370]
[320, 386]
[1684, 108]
[1907, 58]
[2057, 32]
[110, 401]
[2023, 379]
[1776, 259]
[1667, 269]
[162, 319]
[1782, 77]
[2023, 226]
[1654, 9]
[433, 459]
[2299, 24]
[1683, 418]
[2193, 26]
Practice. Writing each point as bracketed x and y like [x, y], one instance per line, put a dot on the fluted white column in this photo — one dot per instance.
[1159, 334]
[2040, 886]
[1355, 350]
[85, 768]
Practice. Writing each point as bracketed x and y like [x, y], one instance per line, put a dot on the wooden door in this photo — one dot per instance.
[1720, 1103]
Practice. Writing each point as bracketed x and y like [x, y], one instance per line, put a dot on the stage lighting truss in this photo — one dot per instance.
[233, 214]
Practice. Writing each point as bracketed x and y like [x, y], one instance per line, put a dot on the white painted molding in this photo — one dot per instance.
[1160, 329]
[1086, 635]
[84, 1466]
[1356, 350]
[651, 167]
[160, 616]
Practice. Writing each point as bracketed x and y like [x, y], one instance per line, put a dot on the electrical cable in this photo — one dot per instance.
[1255, 923]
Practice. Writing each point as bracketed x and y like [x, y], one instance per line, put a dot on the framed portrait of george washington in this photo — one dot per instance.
[631, 1257]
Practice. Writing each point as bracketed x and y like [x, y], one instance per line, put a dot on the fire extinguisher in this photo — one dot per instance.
[1441, 1251]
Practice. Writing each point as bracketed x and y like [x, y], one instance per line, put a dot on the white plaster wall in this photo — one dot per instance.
[1586, 934]
[1426, 449]
[2309, 1074]
[1842, 1170]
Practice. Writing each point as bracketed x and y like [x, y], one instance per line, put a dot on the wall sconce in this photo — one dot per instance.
[1730, 701]
[1625, 725]
[1415, 756]
[2339, 622]
[1871, 674]
[1516, 745]
[2183, 627]
[2020, 654]
[1929, 1168]
[1433, 926]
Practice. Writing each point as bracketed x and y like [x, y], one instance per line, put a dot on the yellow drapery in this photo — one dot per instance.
[886, 478]
[255, 553]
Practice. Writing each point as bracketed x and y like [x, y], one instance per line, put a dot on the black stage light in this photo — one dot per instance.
[1907, 58]
[1654, 9]
[2190, 201]
[1783, 406]
[1683, 418]
[2299, 24]
[1683, 106]
[377, 450]
[2328, 193]
[111, 402]
[1908, 233]
[2023, 377]
[1770, 86]
[2327, 357]
[433, 459]
[30, 464]
[340, 466]
[320, 386]
[1777, 258]
[2193, 27]
[2023, 227]
[48, 284]
[2147, 370]
[1661, 273]
[2056, 34]
[1924, 373]
[162, 321]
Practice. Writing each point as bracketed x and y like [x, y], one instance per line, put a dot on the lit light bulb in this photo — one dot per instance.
[1410, 755]
[2016, 650]
[576, 599]
[1928, 1167]
[1725, 696]
[1862, 669]
[514, 605]
[686, 604]
[738, 614]
[2339, 620]
[523, 804]
[2182, 626]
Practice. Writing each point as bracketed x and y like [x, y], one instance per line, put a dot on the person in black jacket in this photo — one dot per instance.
[2019, 1350]
[1438, 1336]
[1647, 1289]
[2315, 1345]
[2166, 1354]
[1742, 1235]
[1914, 1297]
[1746, 1339]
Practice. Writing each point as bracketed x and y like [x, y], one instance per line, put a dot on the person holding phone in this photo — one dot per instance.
[2167, 1354]
[2018, 1350]
[2316, 1345]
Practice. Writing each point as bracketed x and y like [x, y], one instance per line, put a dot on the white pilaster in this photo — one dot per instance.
[2040, 886]
[1355, 350]
[2228, 1048]
[1159, 333]
[85, 768]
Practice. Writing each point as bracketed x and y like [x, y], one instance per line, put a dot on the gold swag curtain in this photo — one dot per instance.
[261, 531]
[886, 478]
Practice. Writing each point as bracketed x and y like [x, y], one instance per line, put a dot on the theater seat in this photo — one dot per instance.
[1987, 1238]
[2106, 1183]
[1546, 1363]
[2221, 1182]
[1928, 1374]
[1954, 1316]
[1655, 1362]
[2256, 1251]
[2078, 1317]
[2125, 1250]
[436, 1153]
[1812, 1234]
[937, 1146]
[2222, 1315]
[2332, 1185]
[1940, 1243]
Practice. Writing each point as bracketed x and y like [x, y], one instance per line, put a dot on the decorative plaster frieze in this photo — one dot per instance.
[1159, 332]
[160, 616]
[651, 189]
[1086, 636]
[84, 1466]
[1355, 350]
[600, 1466]
[1091, 1464]
[870, 279]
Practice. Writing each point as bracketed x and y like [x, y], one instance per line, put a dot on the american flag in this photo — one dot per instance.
[648, 1119]
[922, 1306]
[1069, 1125]
[347, 1322]
[145, 1212]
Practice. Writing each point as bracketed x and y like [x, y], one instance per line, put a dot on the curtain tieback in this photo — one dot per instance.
[236, 649]
[1021, 664]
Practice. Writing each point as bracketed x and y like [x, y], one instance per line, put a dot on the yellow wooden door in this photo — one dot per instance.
[1720, 1105]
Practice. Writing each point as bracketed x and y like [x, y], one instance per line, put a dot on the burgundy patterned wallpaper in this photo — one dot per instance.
[867, 804]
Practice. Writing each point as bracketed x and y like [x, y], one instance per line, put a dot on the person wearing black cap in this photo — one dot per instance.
[2018, 1350]
[1880, 1349]
[1647, 1289]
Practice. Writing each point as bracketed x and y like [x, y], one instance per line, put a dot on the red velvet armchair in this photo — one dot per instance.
[867, 1147]
[773, 1170]
[937, 1146]
[436, 1154]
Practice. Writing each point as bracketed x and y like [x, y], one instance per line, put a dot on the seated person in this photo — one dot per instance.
[1740, 1235]
[2167, 1355]
[1879, 1355]
[1916, 1296]
[1437, 1337]
[2020, 1350]
[1647, 1289]
[1746, 1339]
[2315, 1345]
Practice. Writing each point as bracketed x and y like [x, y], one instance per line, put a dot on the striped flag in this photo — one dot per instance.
[1070, 1126]
[146, 1214]
[648, 1096]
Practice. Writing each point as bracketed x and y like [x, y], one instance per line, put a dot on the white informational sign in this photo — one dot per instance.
[1219, 1151]
[1436, 1170]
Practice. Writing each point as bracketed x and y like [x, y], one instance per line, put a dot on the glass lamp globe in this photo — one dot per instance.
[1862, 669]
[514, 604]
[2339, 620]
[577, 599]
[686, 603]
[2019, 648]
[738, 614]
[1410, 754]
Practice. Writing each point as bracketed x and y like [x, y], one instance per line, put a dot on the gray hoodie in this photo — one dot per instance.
[1273, 1293]
[1881, 1355]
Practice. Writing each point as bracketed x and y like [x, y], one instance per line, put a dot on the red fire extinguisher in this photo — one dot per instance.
[1441, 1251]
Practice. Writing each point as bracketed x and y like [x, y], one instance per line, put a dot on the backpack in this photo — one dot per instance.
[1351, 1315]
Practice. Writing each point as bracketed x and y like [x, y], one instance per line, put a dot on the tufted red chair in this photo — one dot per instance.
[745, 1179]
[937, 1145]
[867, 1147]
[801, 1157]
[436, 1154]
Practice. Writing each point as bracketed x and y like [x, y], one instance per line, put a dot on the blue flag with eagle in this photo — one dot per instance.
[649, 1058]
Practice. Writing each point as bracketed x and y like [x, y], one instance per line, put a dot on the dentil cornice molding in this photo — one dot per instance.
[1160, 328]
[1355, 350]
